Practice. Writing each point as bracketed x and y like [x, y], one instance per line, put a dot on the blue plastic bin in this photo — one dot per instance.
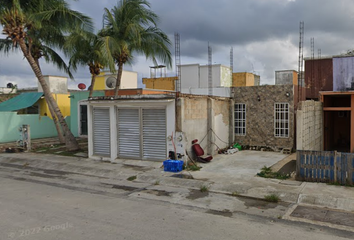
[172, 165]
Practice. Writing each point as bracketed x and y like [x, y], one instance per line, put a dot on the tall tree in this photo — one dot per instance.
[22, 20]
[86, 49]
[131, 27]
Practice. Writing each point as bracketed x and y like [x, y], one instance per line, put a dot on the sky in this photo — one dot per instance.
[264, 35]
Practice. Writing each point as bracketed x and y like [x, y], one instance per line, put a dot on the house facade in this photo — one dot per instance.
[149, 126]
[264, 116]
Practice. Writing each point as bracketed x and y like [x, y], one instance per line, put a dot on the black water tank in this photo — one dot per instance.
[9, 85]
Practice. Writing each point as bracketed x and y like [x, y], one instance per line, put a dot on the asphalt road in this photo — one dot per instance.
[35, 211]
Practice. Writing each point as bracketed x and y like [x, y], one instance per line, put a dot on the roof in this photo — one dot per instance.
[24, 100]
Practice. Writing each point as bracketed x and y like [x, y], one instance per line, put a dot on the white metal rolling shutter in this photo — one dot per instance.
[154, 134]
[101, 132]
[128, 133]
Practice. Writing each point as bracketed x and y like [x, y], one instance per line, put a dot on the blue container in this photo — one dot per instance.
[172, 165]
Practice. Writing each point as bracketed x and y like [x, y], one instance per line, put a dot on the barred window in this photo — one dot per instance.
[281, 120]
[240, 119]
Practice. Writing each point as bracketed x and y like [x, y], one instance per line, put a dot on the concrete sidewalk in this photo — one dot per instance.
[229, 174]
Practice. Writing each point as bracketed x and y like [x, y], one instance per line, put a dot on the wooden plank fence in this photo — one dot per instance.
[325, 166]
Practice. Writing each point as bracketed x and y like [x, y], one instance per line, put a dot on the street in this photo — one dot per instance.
[35, 211]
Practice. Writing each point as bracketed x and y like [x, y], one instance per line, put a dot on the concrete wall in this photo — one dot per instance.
[194, 121]
[75, 99]
[343, 74]
[286, 77]
[243, 79]
[41, 127]
[162, 83]
[63, 102]
[217, 91]
[190, 76]
[309, 132]
[129, 80]
[260, 115]
[56, 84]
[196, 76]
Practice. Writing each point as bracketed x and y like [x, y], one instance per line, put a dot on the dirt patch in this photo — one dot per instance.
[45, 175]
[195, 194]
[324, 215]
[260, 203]
[288, 168]
[157, 192]
[224, 213]
[121, 187]
[136, 168]
[183, 176]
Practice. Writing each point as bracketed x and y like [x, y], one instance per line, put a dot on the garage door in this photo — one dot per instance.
[154, 134]
[101, 132]
[128, 133]
[142, 133]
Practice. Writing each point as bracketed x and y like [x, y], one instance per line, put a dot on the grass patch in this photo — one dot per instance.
[204, 188]
[157, 182]
[235, 194]
[192, 167]
[131, 178]
[272, 198]
[266, 172]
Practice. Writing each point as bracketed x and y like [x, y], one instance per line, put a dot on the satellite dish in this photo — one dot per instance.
[81, 86]
[111, 82]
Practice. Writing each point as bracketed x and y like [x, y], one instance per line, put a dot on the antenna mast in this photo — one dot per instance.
[301, 62]
[178, 62]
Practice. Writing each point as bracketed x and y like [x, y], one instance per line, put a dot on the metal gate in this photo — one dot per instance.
[101, 132]
[128, 133]
[142, 133]
[154, 133]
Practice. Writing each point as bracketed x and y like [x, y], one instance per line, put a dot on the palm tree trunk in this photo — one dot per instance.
[119, 78]
[70, 141]
[93, 80]
[54, 117]
[56, 123]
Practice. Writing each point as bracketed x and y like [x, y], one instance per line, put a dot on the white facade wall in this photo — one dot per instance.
[190, 76]
[196, 76]
[129, 79]
[169, 104]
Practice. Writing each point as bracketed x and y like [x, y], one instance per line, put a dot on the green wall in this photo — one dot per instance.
[75, 97]
[41, 126]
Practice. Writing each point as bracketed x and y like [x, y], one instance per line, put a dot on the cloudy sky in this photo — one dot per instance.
[264, 34]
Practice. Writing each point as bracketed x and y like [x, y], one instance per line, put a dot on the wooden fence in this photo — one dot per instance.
[325, 166]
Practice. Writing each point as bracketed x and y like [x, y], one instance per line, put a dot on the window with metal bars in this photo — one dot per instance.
[240, 119]
[281, 120]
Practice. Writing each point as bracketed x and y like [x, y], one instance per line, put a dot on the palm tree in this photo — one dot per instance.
[39, 50]
[86, 49]
[131, 27]
[22, 20]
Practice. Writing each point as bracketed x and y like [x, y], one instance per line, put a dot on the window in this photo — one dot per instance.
[281, 120]
[240, 119]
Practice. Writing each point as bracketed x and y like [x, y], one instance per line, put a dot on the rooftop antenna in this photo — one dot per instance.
[231, 63]
[210, 71]
[209, 102]
[178, 62]
[178, 80]
[312, 82]
[301, 62]
[319, 53]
